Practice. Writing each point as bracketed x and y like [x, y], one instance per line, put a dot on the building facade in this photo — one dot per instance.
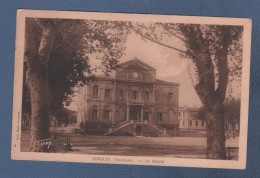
[132, 94]
[189, 119]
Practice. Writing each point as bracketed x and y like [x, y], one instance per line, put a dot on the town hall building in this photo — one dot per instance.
[133, 100]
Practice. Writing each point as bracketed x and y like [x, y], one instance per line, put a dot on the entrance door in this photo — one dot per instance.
[138, 130]
[135, 112]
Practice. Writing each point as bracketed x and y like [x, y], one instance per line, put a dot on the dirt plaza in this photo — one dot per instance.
[180, 147]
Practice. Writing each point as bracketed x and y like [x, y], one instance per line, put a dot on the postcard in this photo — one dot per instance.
[135, 89]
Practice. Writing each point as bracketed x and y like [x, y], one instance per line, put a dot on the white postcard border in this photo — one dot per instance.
[131, 160]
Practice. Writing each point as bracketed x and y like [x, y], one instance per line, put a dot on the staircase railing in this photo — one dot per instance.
[121, 125]
[129, 122]
[156, 126]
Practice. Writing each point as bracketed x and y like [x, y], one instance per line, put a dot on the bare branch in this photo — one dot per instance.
[157, 42]
[173, 34]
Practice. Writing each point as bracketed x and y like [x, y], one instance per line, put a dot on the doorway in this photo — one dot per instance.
[138, 130]
[135, 112]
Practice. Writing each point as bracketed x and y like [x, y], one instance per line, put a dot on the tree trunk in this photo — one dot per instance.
[216, 132]
[213, 102]
[40, 107]
[37, 79]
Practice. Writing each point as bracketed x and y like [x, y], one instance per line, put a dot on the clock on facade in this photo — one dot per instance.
[135, 74]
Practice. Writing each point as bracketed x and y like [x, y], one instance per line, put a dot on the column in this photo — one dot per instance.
[99, 113]
[110, 117]
[127, 112]
[142, 113]
[113, 114]
[153, 107]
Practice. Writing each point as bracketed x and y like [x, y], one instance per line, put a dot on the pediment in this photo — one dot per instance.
[136, 64]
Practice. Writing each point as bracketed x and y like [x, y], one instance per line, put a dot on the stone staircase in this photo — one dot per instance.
[148, 128]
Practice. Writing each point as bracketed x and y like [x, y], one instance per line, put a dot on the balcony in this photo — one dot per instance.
[136, 101]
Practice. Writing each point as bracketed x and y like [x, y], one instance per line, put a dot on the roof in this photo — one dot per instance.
[135, 64]
[162, 82]
[142, 65]
[158, 82]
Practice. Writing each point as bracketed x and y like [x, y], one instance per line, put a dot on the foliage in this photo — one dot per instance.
[202, 114]
[232, 111]
[63, 116]
[69, 65]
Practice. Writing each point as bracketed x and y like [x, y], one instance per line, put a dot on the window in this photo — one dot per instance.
[95, 91]
[134, 94]
[94, 113]
[146, 95]
[170, 97]
[190, 123]
[183, 123]
[146, 116]
[107, 93]
[159, 116]
[197, 123]
[106, 114]
[202, 123]
[179, 113]
[121, 94]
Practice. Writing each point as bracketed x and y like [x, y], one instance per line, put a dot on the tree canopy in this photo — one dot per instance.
[69, 64]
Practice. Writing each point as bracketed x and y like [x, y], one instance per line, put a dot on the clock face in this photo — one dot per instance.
[135, 74]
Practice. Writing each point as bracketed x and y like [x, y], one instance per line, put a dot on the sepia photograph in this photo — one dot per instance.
[138, 89]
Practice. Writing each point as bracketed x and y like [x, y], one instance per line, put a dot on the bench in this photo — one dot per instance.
[229, 148]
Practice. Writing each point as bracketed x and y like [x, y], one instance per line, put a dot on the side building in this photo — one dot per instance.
[189, 119]
[133, 100]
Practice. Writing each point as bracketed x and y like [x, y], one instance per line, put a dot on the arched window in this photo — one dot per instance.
[121, 114]
[147, 95]
[147, 114]
[94, 112]
[95, 91]
[134, 94]
[170, 115]
[107, 112]
[159, 116]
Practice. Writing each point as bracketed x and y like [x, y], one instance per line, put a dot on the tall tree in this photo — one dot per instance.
[36, 57]
[56, 57]
[216, 52]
